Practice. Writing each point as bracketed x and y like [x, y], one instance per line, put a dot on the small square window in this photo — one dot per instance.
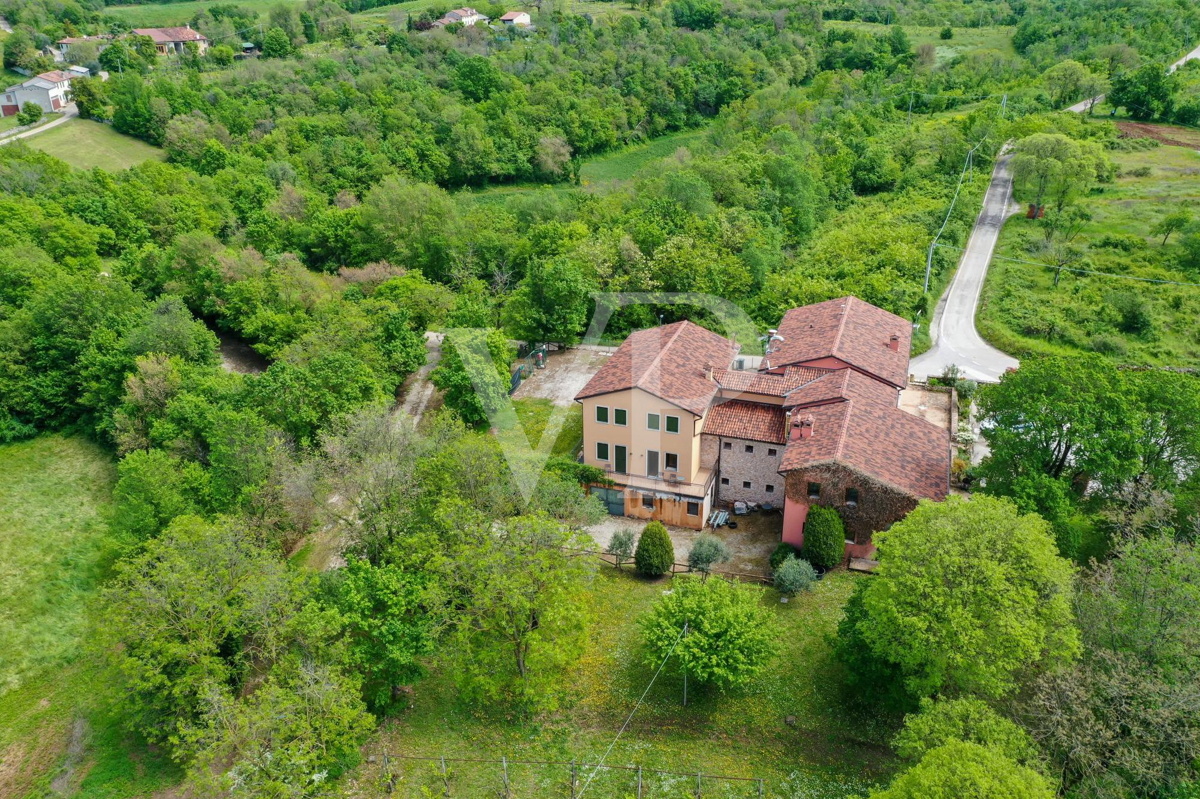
[693, 509]
[601, 451]
[852, 497]
[647, 502]
[727, 445]
[652, 421]
[745, 484]
[672, 424]
[724, 481]
[750, 449]
[772, 452]
[814, 490]
[602, 414]
[672, 461]
[620, 417]
[770, 488]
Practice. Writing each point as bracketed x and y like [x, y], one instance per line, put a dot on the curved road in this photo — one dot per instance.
[1085, 106]
[956, 341]
[69, 112]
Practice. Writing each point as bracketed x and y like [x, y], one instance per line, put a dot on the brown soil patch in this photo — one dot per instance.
[23, 762]
[1165, 134]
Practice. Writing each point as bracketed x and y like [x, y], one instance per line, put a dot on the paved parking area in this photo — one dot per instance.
[566, 372]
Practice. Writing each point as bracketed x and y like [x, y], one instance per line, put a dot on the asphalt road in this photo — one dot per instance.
[1085, 105]
[69, 112]
[956, 341]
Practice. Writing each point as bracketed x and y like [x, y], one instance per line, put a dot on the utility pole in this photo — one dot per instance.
[929, 264]
[685, 631]
[910, 102]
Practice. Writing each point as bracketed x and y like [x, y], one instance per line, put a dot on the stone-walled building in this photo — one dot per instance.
[818, 423]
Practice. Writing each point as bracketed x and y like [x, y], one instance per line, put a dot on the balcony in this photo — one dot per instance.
[698, 489]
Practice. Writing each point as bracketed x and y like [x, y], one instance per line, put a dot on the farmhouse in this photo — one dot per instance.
[463, 16]
[65, 46]
[679, 427]
[174, 41]
[50, 90]
[518, 18]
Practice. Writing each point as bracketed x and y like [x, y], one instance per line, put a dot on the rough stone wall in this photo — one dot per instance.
[878, 507]
[710, 449]
[759, 468]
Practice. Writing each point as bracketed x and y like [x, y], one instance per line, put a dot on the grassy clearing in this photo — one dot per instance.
[832, 751]
[158, 15]
[966, 40]
[535, 415]
[54, 549]
[1023, 312]
[85, 144]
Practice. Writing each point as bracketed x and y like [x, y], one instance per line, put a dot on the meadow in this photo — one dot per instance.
[56, 736]
[793, 727]
[158, 15]
[965, 40]
[1133, 321]
[85, 144]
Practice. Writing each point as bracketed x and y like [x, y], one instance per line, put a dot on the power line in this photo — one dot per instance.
[621, 732]
[967, 164]
[1093, 272]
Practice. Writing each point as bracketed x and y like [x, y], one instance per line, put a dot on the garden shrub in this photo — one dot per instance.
[707, 552]
[782, 552]
[794, 575]
[654, 554]
[824, 538]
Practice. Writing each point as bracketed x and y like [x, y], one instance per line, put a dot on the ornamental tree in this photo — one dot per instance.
[962, 770]
[968, 597]
[824, 538]
[654, 554]
[729, 636]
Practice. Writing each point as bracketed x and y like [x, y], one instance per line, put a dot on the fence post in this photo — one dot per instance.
[697, 785]
[445, 779]
[504, 763]
[639, 796]
[760, 789]
[572, 778]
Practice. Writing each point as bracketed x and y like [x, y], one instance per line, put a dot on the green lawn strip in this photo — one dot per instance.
[1022, 312]
[85, 144]
[535, 415]
[158, 15]
[965, 40]
[833, 750]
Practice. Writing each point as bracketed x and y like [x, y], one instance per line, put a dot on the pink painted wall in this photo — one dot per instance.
[794, 515]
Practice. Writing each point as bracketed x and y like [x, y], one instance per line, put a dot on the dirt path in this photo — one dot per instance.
[418, 393]
[566, 373]
[238, 356]
[69, 112]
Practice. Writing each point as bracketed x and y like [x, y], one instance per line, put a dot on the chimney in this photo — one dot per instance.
[894, 343]
[801, 428]
[708, 371]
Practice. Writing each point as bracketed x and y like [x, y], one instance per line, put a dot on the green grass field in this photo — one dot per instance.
[158, 15]
[1024, 312]
[55, 738]
[831, 751]
[965, 40]
[85, 144]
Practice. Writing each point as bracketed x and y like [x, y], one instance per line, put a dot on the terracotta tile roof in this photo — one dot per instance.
[57, 76]
[849, 329]
[513, 15]
[866, 431]
[772, 385]
[749, 420]
[168, 35]
[668, 362]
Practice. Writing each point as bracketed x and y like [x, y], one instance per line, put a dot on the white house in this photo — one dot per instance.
[465, 16]
[50, 90]
[518, 18]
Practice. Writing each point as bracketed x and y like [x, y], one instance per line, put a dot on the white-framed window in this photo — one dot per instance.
[601, 451]
[648, 501]
[602, 414]
[620, 417]
[693, 509]
[671, 461]
[653, 421]
[672, 424]
[652, 464]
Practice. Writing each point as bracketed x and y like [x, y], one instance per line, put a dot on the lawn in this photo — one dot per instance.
[828, 749]
[596, 8]
[965, 40]
[161, 15]
[534, 414]
[1023, 312]
[85, 144]
[54, 549]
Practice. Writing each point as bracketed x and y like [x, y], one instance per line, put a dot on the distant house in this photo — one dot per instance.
[64, 46]
[173, 41]
[463, 16]
[50, 90]
[518, 18]
[680, 425]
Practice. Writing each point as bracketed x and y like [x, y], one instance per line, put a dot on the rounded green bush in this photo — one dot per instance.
[794, 575]
[824, 538]
[782, 552]
[654, 554]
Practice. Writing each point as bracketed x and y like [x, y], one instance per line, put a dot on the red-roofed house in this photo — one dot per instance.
[174, 41]
[680, 431]
[50, 90]
[518, 18]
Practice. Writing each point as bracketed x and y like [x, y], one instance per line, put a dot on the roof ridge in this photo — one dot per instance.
[837, 340]
[845, 421]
